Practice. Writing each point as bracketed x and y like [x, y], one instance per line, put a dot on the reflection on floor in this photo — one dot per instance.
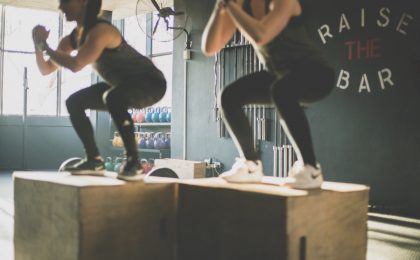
[6, 216]
[390, 237]
[393, 237]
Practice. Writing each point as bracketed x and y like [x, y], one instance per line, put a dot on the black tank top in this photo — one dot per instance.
[123, 64]
[247, 6]
[289, 48]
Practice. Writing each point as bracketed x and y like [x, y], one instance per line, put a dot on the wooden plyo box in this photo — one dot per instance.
[221, 221]
[183, 168]
[63, 217]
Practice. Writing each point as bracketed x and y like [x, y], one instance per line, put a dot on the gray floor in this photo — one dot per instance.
[389, 237]
[6, 216]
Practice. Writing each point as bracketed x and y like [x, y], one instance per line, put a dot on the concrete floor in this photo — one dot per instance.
[6, 216]
[389, 237]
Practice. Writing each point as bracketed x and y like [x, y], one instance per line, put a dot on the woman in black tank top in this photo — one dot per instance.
[130, 80]
[295, 74]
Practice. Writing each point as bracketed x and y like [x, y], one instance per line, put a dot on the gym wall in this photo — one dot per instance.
[367, 131]
[43, 143]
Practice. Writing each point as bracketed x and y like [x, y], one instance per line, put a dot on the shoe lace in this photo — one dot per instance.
[253, 166]
[296, 168]
[239, 163]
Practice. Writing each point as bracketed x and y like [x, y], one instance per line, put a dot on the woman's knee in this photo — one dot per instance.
[109, 97]
[283, 91]
[229, 98]
[114, 99]
[321, 85]
[73, 103]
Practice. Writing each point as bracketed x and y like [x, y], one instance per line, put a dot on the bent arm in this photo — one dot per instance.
[219, 30]
[47, 66]
[96, 41]
[263, 31]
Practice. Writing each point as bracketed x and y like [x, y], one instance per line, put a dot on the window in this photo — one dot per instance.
[70, 81]
[133, 35]
[42, 92]
[18, 27]
[159, 52]
[164, 63]
[166, 36]
[45, 94]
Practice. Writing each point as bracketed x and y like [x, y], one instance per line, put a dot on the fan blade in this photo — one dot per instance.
[155, 4]
[179, 13]
[167, 23]
[156, 26]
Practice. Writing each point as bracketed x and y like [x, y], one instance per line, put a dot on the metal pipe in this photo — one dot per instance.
[2, 35]
[25, 113]
[59, 72]
[263, 125]
[281, 160]
[254, 123]
[285, 160]
[275, 161]
[257, 108]
[275, 129]
[184, 135]
[289, 157]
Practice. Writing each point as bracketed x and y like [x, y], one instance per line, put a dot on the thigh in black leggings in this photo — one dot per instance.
[116, 100]
[77, 103]
[302, 85]
[253, 88]
[120, 98]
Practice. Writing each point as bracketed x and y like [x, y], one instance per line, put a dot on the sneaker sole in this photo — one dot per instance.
[90, 173]
[292, 184]
[138, 177]
[245, 182]
[305, 187]
[256, 180]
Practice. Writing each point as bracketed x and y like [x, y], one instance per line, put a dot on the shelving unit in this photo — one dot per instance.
[149, 127]
[162, 153]
[152, 124]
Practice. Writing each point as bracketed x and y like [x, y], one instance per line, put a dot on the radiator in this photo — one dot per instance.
[283, 159]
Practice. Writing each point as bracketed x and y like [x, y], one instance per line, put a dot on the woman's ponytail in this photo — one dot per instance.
[93, 9]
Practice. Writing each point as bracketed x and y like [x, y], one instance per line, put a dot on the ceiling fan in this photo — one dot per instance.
[166, 23]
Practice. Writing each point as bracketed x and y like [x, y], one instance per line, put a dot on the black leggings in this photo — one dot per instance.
[116, 100]
[304, 84]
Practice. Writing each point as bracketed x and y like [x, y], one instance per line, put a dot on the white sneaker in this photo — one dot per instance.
[244, 171]
[305, 176]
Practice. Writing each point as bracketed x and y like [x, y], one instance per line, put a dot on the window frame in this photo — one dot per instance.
[59, 73]
[2, 34]
[150, 43]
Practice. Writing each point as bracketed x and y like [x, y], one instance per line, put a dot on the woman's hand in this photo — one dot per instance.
[40, 34]
[219, 29]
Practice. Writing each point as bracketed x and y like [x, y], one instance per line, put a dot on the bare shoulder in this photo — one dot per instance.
[106, 34]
